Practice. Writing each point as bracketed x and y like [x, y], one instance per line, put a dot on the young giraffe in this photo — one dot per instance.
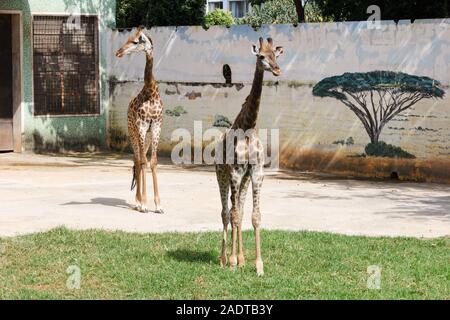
[237, 174]
[144, 121]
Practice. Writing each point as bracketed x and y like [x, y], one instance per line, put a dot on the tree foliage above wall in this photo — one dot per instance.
[273, 12]
[219, 17]
[377, 97]
[356, 10]
[131, 13]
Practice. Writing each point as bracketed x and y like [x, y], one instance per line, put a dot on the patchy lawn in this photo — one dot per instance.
[298, 265]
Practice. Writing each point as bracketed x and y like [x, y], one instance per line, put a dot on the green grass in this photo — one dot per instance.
[298, 265]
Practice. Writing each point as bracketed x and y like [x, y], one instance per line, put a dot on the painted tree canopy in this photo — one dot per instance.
[378, 96]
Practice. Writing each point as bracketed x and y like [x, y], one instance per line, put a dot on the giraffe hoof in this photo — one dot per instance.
[233, 263]
[223, 262]
[160, 211]
[241, 261]
[259, 268]
[144, 209]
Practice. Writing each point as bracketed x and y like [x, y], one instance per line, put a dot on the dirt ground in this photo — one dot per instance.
[81, 191]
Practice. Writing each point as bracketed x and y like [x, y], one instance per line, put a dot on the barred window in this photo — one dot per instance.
[65, 65]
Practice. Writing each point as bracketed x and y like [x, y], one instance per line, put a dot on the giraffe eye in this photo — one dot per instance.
[135, 42]
[261, 57]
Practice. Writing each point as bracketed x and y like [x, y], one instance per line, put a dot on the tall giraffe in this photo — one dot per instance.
[144, 121]
[247, 161]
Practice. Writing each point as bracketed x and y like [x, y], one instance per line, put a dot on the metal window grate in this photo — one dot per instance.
[65, 65]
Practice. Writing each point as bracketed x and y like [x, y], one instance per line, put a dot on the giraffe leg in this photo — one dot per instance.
[257, 179]
[155, 134]
[224, 187]
[137, 169]
[242, 193]
[236, 178]
[144, 202]
[142, 166]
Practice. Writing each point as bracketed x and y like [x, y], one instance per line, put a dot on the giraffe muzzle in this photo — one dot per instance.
[276, 72]
[119, 53]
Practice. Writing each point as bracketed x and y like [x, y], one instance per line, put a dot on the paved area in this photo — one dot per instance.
[82, 191]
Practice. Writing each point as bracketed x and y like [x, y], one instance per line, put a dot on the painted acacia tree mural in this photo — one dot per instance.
[377, 97]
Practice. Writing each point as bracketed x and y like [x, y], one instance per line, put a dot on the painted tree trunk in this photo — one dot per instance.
[374, 138]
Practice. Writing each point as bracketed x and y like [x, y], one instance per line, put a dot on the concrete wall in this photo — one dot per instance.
[312, 51]
[60, 132]
[189, 62]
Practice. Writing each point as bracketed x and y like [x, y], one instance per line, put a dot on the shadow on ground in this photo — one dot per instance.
[187, 255]
[405, 204]
[109, 202]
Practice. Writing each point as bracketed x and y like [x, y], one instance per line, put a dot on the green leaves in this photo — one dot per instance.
[355, 10]
[219, 17]
[132, 13]
[273, 12]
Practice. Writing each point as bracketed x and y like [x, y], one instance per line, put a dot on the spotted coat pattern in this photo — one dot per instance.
[247, 163]
[145, 115]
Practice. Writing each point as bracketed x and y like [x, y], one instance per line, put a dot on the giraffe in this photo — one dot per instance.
[144, 121]
[236, 175]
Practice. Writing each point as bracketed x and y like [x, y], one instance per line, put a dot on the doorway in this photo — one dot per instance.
[6, 81]
[11, 93]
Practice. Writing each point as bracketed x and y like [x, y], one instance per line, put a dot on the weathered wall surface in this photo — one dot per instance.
[312, 51]
[189, 62]
[62, 132]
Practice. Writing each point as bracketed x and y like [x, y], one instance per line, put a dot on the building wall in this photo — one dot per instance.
[229, 5]
[62, 132]
[189, 62]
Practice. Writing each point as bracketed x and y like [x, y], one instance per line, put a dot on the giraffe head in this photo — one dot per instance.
[267, 56]
[137, 42]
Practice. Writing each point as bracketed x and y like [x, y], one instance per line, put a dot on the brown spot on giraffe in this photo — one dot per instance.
[144, 121]
[236, 176]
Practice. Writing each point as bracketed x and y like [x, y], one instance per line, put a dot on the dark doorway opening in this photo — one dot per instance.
[6, 87]
[394, 175]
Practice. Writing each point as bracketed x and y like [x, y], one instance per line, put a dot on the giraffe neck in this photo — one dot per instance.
[149, 80]
[246, 119]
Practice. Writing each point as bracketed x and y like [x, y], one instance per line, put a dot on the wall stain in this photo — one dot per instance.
[170, 93]
[118, 140]
[419, 170]
[62, 144]
[193, 95]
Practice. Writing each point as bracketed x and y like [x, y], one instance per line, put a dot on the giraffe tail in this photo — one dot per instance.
[133, 181]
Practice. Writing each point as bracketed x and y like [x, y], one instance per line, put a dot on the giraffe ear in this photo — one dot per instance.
[138, 31]
[255, 50]
[278, 51]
